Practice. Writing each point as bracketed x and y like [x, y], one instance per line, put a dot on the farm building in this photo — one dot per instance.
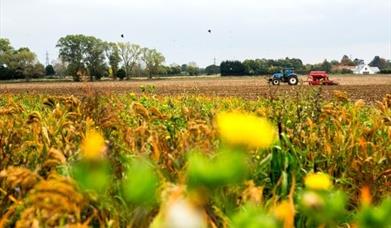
[365, 69]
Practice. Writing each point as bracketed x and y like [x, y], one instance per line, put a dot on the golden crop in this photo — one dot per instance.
[291, 147]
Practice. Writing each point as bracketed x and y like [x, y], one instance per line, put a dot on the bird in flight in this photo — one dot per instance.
[209, 30]
[122, 36]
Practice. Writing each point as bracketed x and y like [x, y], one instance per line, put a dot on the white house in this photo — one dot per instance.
[365, 69]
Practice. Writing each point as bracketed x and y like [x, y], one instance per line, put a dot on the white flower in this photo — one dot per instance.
[182, 214]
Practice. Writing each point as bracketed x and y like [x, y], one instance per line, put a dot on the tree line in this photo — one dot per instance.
[93, 57]
[18, 63]
[88, 57]
[252, 67]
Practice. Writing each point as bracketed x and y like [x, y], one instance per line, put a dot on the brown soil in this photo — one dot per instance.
[369, 88]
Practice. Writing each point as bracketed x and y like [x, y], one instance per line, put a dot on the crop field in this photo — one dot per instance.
[369, 88]
[201, 153]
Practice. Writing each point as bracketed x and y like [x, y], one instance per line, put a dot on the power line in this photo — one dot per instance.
[1, 15]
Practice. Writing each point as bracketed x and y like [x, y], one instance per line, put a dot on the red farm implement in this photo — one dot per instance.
[320, 78]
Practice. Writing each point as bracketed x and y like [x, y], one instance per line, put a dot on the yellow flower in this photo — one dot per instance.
[93, 145]
[317, 181]
[246, 129]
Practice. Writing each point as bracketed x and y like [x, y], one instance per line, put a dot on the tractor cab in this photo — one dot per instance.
[288, 71]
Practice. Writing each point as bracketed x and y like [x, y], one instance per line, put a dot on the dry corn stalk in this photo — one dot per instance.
[20, 177]
[50, 203]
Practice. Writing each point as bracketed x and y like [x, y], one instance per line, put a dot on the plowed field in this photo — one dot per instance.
[369, 88]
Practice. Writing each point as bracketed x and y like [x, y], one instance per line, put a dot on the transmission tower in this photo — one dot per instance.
[47, 58]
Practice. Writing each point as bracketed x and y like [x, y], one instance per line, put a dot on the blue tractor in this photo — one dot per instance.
[286, 75]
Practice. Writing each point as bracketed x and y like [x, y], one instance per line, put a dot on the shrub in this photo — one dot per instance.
[346, 71]
[212, 69]
[386, 71]
[121, 74]
[49, 70]
[233, 68]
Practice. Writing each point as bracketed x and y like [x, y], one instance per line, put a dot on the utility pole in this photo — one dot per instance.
[214, 61]
[47, 58]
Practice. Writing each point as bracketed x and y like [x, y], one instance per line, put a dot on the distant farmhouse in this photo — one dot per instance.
[365, 69]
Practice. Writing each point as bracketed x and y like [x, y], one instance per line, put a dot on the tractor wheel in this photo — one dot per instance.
[293, 80]
[275, 82]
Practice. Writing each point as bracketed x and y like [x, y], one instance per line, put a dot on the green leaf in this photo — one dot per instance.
[92, 175]
[227, 168]
[141, 183]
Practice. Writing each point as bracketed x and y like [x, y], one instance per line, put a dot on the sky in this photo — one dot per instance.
[312, 30]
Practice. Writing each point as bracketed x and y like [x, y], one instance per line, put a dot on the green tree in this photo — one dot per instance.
[95, 57]
[256, 67]
[174, 69]
[326, 66]
[21, 63]
[130, 55]
[163, 70]
[346, 61]
[112, 54]
[357, 61]
[153, 60]
[250, 66]
[378, 62]
[37, 70]
[295, 63]
[212, 69]
[263, 68]
[72, 49]
[5, 73]
[232, 68]
[5, 50]
[49, 69]
[121, 74]
[184, 68]
[193, 69]
[334, 62]
[84, 55]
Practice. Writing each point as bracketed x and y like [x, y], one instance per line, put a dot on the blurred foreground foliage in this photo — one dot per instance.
[146, 161]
